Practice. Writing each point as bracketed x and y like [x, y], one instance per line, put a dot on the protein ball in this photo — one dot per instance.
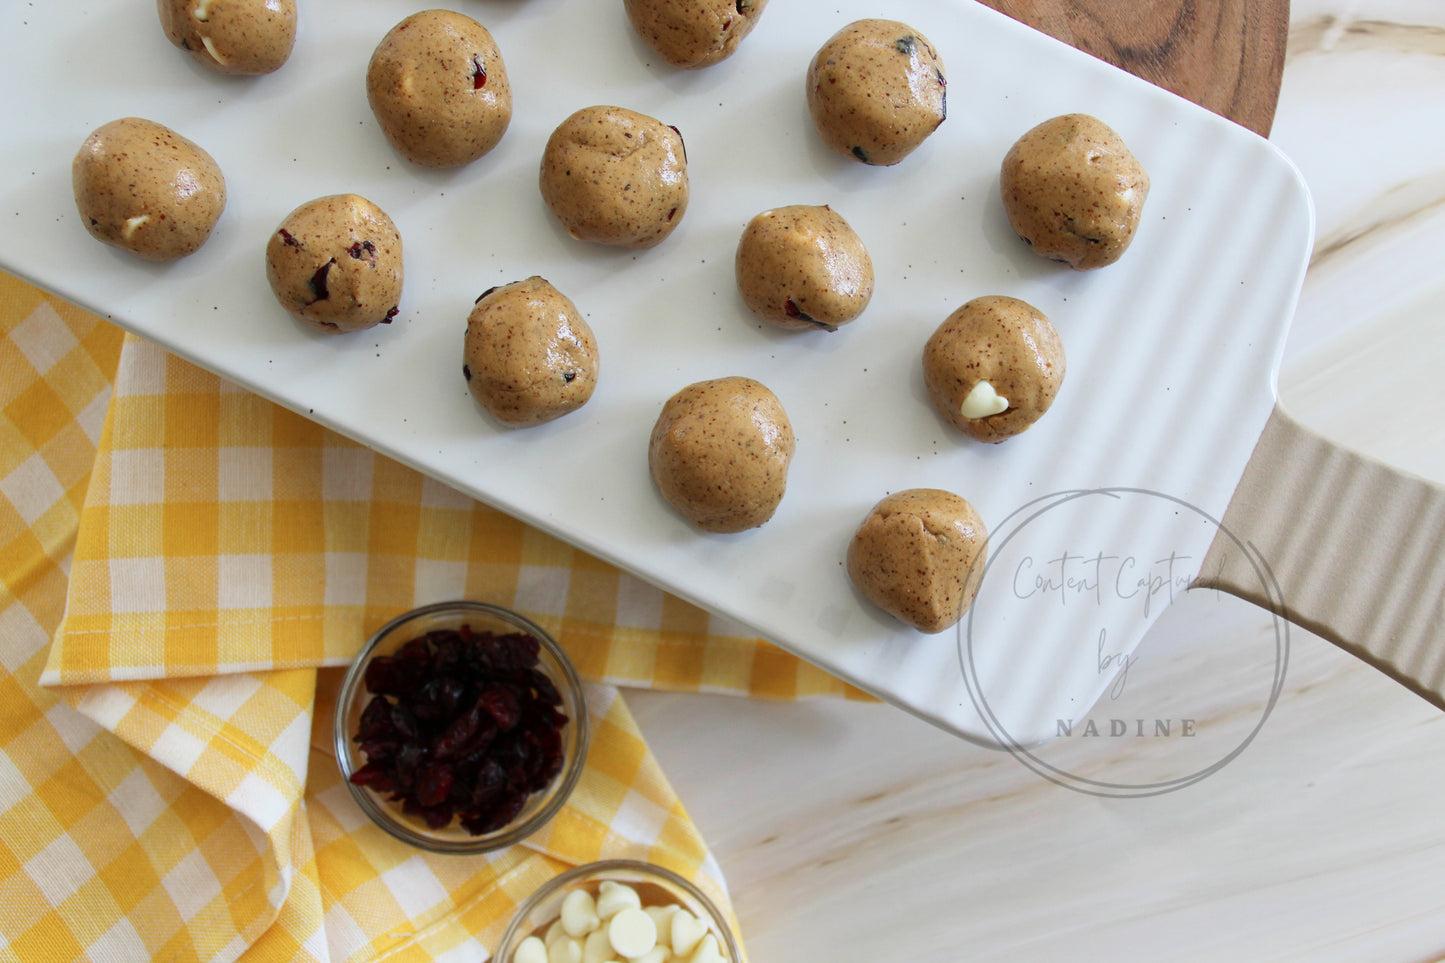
[876, 90]
[693, 33]
[1073, 191]
[439, 89]
[803, 267]
[719, 453]
[919, 556]
[993, 367]
[529, 356]
[232, 36]
[614, 176]
[143, 187]
[335, 264]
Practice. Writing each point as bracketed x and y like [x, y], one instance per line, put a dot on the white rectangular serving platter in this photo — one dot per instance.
[1172, 352]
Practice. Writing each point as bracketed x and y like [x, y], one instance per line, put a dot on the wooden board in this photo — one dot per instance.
[1225, 55]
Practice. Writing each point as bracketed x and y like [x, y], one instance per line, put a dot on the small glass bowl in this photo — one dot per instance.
[654, 884]
[354, 697]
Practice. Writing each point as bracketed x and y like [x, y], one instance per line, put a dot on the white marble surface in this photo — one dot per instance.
[855, 832]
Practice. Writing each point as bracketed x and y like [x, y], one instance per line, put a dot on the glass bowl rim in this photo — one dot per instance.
[637, 866]
[561, 790]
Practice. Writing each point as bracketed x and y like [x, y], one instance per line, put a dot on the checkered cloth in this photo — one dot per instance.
[183, 569]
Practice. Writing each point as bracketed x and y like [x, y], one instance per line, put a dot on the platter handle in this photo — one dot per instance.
[1350, 548]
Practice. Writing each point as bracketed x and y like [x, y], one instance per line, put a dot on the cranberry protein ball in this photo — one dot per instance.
[876, 90]
[993, 367]
[438, 88]
[232, 36]
[335, 264]
[1073, 191]
[529, 356]
[719, 453]
[693, 33]
[919, 555]
[614, 176]
[144, 188]
[803, 267]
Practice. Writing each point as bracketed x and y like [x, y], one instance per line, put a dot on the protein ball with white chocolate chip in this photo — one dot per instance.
[529, 355]
[919, 556]
[720, 451]
[142, 187]
[803, 267]
[1073, 191]
[232, 36]
[876, 90]
[615, 176]
[693, 33]
[993, 367]
[439, 90]
[335, 264]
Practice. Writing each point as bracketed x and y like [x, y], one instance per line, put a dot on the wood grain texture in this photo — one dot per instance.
[1225, 55]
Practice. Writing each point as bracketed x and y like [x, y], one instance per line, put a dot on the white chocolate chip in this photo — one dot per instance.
[658, 954]
[579, 914]
[687, 930]
[554, 933]
[211, 49]
[632, 932]
[598, 948]
[613, 897]
[133, 224]
[530, 950]
[662, 917]
[203, 11]
[565, 950]
[982, 401]
[707, 951]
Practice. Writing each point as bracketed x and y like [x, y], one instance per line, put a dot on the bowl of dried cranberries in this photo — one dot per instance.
[460, 727]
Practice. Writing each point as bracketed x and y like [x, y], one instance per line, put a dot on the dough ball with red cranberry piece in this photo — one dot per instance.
[529, 355]
[142, 187]
[993, 367]
[720, 452]
[919, 555]
[1074, 191]
[335, 264]
[876, 90]
[615, 176]
[232, 36]
[693, 33]
[803, 267]
[439, 89]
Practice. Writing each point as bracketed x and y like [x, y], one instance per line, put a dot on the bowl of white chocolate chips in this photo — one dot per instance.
[618, 910]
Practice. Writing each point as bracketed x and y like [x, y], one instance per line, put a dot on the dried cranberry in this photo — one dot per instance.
[434, 785]
[503, 706]
[546, 689]
[479, 72]
[372, 774]
[318, 282]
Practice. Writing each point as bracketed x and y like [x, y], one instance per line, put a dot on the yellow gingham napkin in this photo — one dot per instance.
[180, 562]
